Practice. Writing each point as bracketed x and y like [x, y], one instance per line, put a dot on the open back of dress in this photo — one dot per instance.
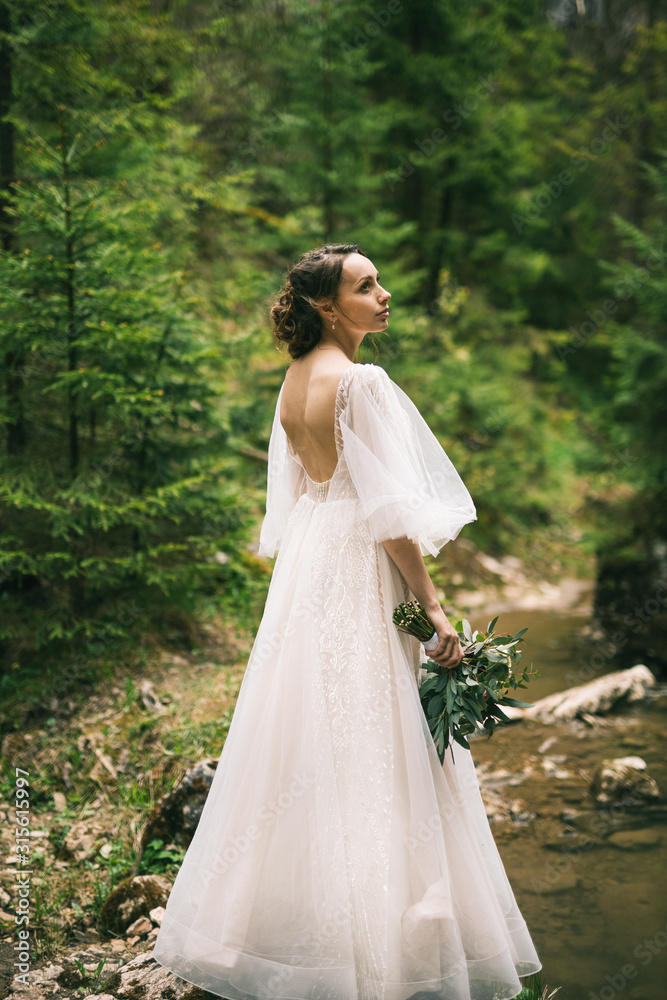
[336, 858]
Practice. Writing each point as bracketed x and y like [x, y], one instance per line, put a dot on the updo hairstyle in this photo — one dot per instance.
[313, 281]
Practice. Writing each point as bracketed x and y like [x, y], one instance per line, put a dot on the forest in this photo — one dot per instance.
[162, 165]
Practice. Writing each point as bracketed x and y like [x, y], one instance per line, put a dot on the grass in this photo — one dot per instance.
[533, 990]
[147, 754]
[89, 980]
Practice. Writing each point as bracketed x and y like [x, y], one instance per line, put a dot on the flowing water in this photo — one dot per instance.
[595, 903]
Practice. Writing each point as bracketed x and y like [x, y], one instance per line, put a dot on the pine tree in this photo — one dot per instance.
[121, 490]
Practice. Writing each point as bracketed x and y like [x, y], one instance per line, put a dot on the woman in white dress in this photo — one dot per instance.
[336, 858]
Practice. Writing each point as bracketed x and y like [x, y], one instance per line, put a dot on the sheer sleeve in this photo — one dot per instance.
[285, 484]
[406, 483]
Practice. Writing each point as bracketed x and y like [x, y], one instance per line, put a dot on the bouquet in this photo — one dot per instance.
[467, 698]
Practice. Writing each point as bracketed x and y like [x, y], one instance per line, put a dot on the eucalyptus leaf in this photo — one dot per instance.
[434, 704]
[466, 699]
[462, 740]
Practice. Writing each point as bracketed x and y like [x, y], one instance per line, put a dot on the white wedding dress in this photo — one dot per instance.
[336, 858]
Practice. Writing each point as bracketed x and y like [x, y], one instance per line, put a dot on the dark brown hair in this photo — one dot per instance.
[313, 281]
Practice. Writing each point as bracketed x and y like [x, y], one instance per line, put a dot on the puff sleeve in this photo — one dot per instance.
[285, 484]
[406, 483]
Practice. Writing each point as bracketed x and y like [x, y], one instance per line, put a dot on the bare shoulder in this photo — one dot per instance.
[325, 383]
[308, 408]
[317, 378]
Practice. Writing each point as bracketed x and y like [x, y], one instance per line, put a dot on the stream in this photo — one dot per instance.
[595, 904]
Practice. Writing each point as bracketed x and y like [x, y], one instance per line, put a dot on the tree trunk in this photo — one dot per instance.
[435, 261]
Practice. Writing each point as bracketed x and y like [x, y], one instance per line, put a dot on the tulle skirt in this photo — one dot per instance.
[336, 858]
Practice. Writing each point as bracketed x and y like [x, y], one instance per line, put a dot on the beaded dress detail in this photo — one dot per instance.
[335, 857]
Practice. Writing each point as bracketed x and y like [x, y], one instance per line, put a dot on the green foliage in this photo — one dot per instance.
[198, 740]
[89, 980]
[637, 412]
[466, 699]
[114, 482]
[487, 383]
[156, 180]
[533, 990]
[156, 858]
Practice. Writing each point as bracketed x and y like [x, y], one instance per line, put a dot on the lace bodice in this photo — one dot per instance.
[388, 460]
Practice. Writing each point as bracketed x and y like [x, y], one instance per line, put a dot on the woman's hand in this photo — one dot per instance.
[448, 652]
[406, 553]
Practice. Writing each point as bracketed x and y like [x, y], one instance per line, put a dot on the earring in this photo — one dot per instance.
[333, 323]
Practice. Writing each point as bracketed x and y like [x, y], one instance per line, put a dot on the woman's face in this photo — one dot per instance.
[362, 301]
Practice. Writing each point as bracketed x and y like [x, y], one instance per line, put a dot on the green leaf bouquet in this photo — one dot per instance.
[466, 699]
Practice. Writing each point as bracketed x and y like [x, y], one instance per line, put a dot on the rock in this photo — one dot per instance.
[551, 768]
[134, 897]
[546, 744]
[103, 772]
[157, 915]
[638, 763]
[144, 977]
[174, 818]
[59, 802]
[13, 749]
[624, 778]
[572, 843]
[149, 699]
[635, 840]
[595, 698]
[87, 936]
[79, 842]
[92, 954]
[499, 808]
[41, 983]
[140, 926]
[560, 882]
[588, 822]
[51, 972]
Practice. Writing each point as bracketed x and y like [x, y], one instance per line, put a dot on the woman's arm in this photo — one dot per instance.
[406, 553]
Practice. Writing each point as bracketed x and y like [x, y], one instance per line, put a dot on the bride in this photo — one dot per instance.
[335, 857]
